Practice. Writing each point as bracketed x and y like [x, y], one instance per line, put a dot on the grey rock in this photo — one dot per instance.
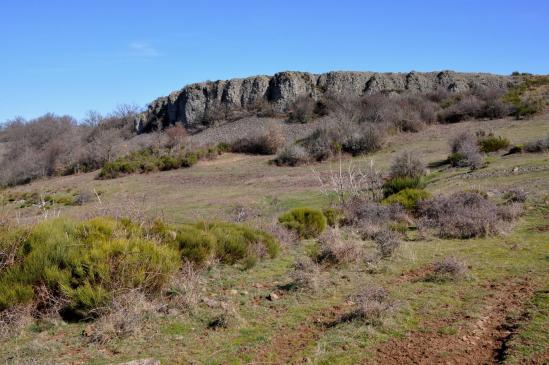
[196, 105]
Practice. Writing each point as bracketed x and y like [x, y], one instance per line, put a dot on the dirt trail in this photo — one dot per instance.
[480, 341]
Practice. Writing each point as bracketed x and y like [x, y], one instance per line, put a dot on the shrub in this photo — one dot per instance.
[82, 264]
[237, 243]
[307, 222]
[368, 140]
[305, 274]
[337, 247]
[333, 216]
[168, 163]
[262, 144]
[291, 155]
[541, 145]
[195, 245]
[468, 106]
[368, 213]
[302, 110]
[448, 269]
[372, 305]
[397, 184]
[493, 144]
[515, 195]
[464, 214]
[387, 242]
[319, 145]
[465, 151]
[409, 199]
[407, 165]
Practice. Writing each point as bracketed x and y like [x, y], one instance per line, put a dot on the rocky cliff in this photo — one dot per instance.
[195, 104]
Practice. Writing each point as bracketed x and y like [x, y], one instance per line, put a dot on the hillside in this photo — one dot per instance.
[494, 310]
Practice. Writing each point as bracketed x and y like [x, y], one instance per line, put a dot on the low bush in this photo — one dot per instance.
[462, 215]
[307, 222]
[407, 165]
[319, 145]
[334, 217]
[387, 242]
[465, 151]
[292, 155]
[541, 145]
[493, 144]
[305, 274]
[302, 110]
[372, 305]
[338, 248]
[450, 268]
[409, 199]
[515, 195]
[368, 140]
[267, 143]
[396, 184]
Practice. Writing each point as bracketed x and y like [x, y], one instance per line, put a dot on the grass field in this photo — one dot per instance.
[498, 313]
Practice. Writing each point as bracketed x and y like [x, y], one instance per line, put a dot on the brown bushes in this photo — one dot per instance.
[267, 143]
[461, 215]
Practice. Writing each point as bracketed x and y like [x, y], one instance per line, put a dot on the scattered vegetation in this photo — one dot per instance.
[408, 198]
[465, 151]
[291, 155]
[492, 143]
[450, 268]
[541, 145]
[372, 305]
[267, 143]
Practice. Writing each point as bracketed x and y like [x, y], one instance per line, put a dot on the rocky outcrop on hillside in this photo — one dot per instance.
[197, 104]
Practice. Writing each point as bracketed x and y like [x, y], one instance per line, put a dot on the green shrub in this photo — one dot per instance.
[397, 184]
[307, 222]
[492, 144]
[166, 163]
[195, 245]
[84, 263]
[333, 216]
[408, 198]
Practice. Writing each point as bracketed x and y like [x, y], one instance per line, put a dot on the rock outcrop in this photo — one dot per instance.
[196, 104]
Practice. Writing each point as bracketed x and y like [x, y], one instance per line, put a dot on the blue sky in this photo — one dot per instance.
[71, 56]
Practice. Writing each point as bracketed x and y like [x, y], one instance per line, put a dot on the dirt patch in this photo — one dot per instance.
[480, 341]
[285, 347]
[414, 275]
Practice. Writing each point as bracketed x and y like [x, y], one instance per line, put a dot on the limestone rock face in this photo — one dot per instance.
[196, 104]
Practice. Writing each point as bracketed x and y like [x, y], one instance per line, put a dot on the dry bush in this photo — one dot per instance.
[369, 217]
[450, 268]
[357, 182]
[305, 274]
[468, 106]
[185, 288]
[14, 320]
[465, 151]
[337, 247]
[292, 155]
[515, 195]
[267, 143]
[366, 139]
[407, 164]
[462, 215]
[387, 242]
[541, 145]
[176, 136]
[319, 144]
[302, 110]
[510, 211]
[372, 305]
[124, 317]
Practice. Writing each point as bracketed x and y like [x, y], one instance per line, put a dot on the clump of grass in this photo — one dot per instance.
[307, 222]
[334, 217]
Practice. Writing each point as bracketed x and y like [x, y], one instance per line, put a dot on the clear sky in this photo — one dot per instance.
[71, 56]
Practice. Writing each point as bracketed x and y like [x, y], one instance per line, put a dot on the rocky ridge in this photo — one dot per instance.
[197, 104]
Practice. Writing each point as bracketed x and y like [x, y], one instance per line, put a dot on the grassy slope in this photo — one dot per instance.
[284, 330]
